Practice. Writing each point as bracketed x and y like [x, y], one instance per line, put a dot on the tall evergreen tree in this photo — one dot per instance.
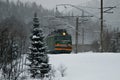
[38, 58]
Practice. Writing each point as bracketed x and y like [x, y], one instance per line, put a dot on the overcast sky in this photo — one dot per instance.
[52, 3]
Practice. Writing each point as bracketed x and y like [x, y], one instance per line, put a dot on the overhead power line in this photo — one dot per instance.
[78, 9]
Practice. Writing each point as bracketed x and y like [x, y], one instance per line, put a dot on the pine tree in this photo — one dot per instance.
[38, 58]
[115, 42]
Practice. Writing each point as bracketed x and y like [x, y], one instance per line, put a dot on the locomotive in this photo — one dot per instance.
[59, 41]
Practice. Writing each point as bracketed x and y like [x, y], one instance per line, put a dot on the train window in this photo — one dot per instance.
[56, 38]
[63, 38]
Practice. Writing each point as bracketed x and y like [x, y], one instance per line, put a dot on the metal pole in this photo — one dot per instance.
[76, 37]
[101, 33]
[82, 27]
[82, 36]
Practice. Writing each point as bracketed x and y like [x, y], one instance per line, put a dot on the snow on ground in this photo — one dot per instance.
[85, 66]
[88, 66]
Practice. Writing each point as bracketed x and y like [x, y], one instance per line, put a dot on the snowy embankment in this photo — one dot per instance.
[88, 66]
[81, 66]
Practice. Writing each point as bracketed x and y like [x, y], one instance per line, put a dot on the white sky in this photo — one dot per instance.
[52, 3]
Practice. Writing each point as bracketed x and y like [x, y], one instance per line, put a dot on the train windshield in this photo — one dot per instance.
[63, 38]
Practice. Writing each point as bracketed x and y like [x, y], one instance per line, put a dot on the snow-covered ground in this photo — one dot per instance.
[84, 66]
[88, 66]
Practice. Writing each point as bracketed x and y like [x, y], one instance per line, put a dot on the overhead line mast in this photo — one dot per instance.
[107, 10]
[101, 29]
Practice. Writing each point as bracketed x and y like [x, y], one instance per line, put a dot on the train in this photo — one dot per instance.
[59, 41]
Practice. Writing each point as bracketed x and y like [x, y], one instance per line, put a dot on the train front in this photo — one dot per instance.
[63, 42]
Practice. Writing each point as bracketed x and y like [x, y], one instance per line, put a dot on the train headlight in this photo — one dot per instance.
[64, 33]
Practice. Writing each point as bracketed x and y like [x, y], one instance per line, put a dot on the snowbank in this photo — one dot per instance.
[83, 66]
[86, 66]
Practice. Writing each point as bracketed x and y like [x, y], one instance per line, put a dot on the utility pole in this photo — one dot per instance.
[101, 29]
[82, 28]
[83, 36]
[101, 19]
[76, 35]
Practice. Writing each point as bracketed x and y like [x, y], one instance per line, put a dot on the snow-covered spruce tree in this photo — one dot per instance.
[38, 54]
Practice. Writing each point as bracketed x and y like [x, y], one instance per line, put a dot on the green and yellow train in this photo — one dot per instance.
[59, 41]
